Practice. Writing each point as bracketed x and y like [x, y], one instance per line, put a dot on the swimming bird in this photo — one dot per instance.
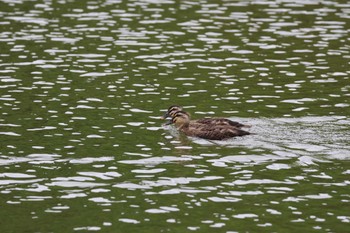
[173, 109]
[181, 120]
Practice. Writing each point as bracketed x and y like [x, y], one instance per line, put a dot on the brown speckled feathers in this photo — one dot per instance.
[182, 122]
[172, 110]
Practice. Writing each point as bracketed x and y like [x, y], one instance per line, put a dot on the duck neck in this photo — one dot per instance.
[184, 126]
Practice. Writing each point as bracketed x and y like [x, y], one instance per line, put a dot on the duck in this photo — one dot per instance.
[181, 120]
[173, 109]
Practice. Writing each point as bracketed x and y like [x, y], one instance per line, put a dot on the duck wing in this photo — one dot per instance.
[215, 132]
[221, 121]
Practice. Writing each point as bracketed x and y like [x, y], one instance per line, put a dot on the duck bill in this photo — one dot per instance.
[165, 116]
[169, 122]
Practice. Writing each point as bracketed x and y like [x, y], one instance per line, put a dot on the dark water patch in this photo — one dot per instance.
[82, 86]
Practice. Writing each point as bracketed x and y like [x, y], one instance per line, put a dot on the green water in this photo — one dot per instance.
[83, 85]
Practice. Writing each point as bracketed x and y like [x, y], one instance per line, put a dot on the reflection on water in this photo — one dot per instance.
[287, 162]
[82, 86]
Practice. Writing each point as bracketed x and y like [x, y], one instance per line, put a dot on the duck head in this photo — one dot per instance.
[181, 119]
[172, 110]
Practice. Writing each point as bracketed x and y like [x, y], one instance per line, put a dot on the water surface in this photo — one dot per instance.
[82, 86]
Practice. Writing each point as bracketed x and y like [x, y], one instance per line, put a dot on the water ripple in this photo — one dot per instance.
[83, 86]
